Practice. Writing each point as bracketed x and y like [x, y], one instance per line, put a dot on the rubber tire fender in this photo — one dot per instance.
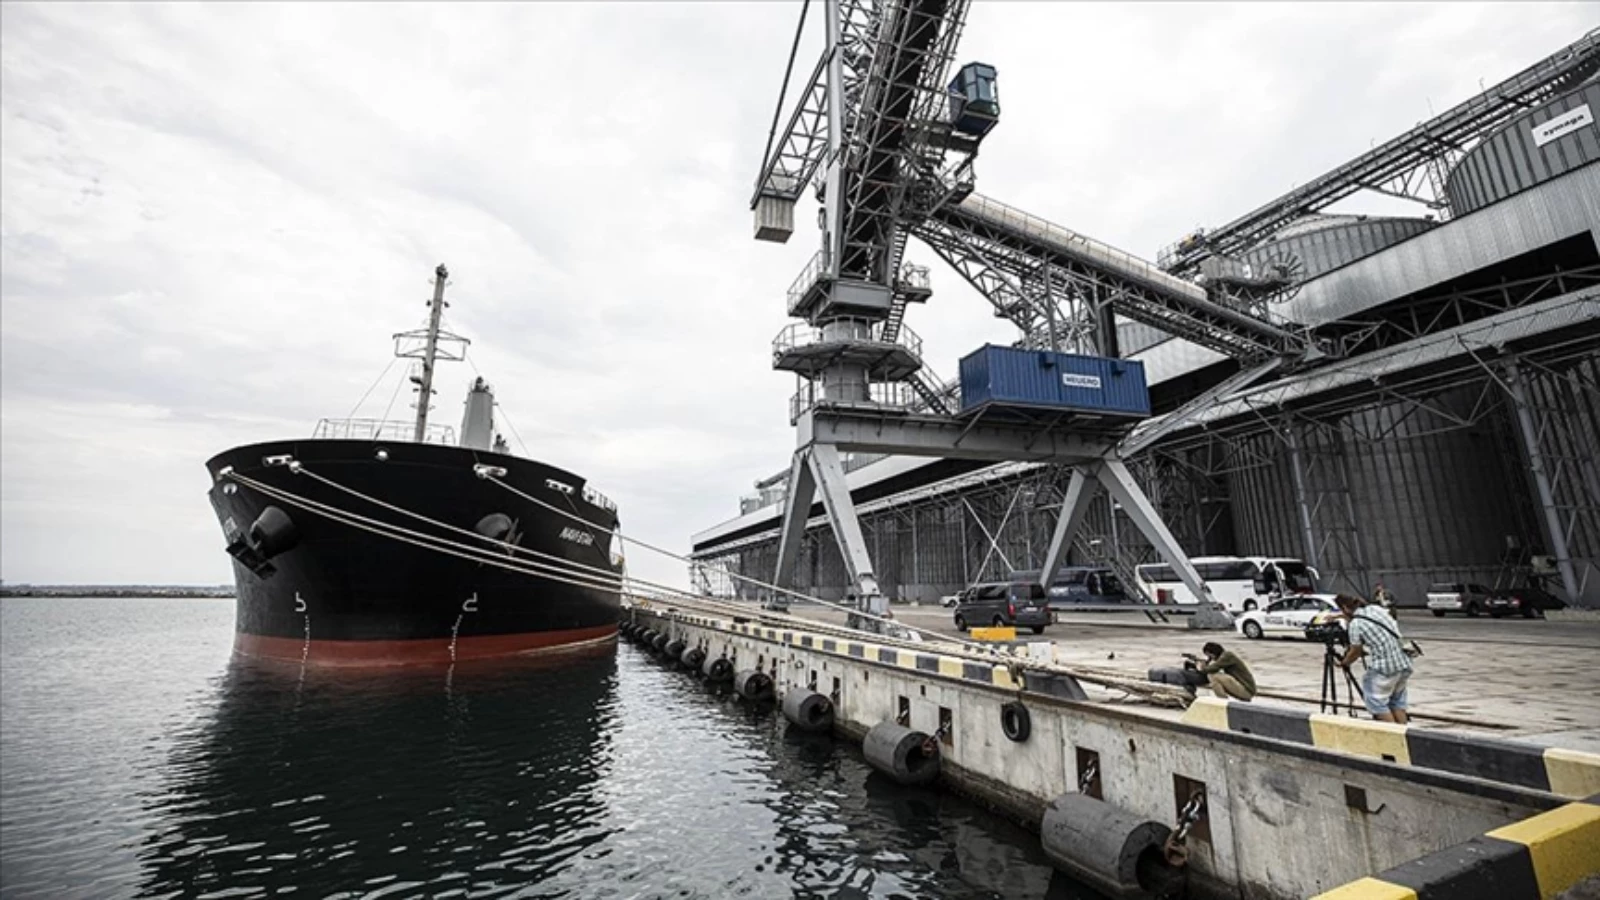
[692, 658]
[753, 685]
[718, 670]
[1016, 721]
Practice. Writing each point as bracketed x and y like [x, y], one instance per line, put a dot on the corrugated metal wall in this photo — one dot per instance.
[1427, 498]
[1403, 494]
[1511, 160]
[1321, 250]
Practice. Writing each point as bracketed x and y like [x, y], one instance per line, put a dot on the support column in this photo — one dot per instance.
[796, 512]
[1301, 502]
[1116, 478]
[1540, 470]
[1081, 491]
[830, 478]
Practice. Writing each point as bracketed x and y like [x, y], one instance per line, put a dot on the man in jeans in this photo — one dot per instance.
[1375, 635]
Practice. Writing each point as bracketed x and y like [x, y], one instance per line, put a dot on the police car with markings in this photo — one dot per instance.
[1288, 616]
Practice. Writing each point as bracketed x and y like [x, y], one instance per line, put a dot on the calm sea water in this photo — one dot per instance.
[138, 760]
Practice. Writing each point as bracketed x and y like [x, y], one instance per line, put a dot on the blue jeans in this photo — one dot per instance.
[1384, 692]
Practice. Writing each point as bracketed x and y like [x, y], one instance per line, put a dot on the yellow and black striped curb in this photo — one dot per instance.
[1566, 773]
[990, 674]
[1534, 859]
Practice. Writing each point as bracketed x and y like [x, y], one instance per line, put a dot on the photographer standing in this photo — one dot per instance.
[1375, 635]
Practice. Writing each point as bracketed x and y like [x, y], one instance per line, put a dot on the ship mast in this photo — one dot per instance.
[431, 353]
[435, 345]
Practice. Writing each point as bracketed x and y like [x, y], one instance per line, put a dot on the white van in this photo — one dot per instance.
[1239, 583]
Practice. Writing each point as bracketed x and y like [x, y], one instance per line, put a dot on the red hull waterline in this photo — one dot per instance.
[430, 651]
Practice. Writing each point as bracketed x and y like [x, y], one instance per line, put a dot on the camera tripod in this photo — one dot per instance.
[1332, 675]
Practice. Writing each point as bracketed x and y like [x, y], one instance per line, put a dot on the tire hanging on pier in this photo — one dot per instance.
[1015, 721]
[808, 710]
[1115, 851]
[674, 650]
[907, 756]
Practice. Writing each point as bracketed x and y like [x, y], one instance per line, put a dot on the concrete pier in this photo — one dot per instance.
[1282, 818]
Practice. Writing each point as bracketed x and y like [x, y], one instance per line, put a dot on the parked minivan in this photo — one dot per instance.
[1078, 584]
[999, 603]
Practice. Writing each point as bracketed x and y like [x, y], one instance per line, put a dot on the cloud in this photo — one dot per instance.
[214, 216]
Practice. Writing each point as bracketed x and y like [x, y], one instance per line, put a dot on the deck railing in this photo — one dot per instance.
[381, 430]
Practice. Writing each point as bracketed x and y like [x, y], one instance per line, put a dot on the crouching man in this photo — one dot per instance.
[1230, 678]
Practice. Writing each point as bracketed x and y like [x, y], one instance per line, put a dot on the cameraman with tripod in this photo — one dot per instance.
[1374, 634]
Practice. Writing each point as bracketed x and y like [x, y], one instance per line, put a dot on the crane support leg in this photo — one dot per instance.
[1539, 467]
[830, 477]
[1081, 491]
[1119, 482]
[796, 512]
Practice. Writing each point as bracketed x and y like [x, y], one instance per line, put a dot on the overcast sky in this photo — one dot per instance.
[212, 217]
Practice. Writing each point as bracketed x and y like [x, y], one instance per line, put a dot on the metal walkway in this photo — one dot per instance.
[1400, 167]
[1018, 244]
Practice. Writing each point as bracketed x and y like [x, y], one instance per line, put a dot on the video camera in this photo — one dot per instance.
[1330, 633]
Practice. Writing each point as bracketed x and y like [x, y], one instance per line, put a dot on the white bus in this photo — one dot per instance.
[1239, 583]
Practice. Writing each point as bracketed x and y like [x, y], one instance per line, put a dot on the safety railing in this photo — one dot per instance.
[592, 496]
[800, 334]
[898, 397]
[381, 430]
[808, 276]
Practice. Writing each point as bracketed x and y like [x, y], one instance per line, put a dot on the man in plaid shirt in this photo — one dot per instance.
[1375, 635]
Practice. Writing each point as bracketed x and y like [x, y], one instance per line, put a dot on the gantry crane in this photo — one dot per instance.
[894, 136]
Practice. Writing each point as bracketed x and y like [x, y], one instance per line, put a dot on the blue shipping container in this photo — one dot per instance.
[1043, 379]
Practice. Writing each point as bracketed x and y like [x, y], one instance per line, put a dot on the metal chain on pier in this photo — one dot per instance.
[1176, 848]
[1090, 773]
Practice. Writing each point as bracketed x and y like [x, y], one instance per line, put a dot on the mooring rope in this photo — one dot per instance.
[790, 592]
[566, 571]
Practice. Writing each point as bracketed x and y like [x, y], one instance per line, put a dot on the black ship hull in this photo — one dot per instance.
[312, 589]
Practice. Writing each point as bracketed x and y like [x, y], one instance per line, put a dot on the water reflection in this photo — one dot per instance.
[479, 778]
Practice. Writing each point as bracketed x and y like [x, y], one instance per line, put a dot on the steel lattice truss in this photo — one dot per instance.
[1409, 166]
[1009, 268]
[786, 171]
[890, 152]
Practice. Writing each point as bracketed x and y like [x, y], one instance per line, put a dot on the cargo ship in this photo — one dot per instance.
[393, 542]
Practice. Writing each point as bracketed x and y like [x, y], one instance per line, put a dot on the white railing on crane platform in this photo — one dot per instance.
[800, 334]
[399, 430]
[819, 265]
[881, 396]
